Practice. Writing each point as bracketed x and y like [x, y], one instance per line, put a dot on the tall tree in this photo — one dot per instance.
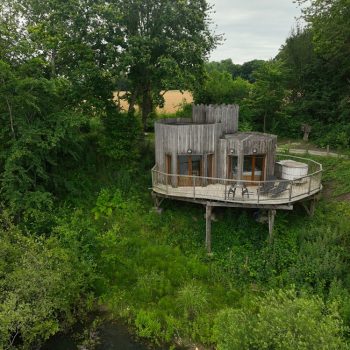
[220, 87]
[165, 44]
[79, 39]
[319, 71]
[268, 93]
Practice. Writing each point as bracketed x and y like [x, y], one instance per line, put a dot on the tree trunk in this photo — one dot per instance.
[147, 105]
[132, 101]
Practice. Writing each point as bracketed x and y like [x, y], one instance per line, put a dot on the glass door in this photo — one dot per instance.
[254, 167]
[189, 166]
[232, 167]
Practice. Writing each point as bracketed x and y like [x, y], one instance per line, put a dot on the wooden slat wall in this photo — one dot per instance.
[225, 114]
[204, 134]
[263, 145]
[177, 139]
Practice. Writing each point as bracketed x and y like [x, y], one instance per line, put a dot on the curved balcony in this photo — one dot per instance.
[276, 191]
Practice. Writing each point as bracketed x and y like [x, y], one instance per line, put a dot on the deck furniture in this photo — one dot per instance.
[266, 187]
[279, 189]
[232, 190]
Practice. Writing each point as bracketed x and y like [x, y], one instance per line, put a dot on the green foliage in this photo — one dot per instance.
[244, 71]
[38, 134]
[42, 284]
[165, 46]
[74, 173]
[281, 320]
[147, 324]
[336, 175]
[121, 137]
[192, 299]
[220, 88]
[318, 69]
[106, 203]
[268, 95]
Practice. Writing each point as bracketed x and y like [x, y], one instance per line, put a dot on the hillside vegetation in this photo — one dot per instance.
[77, 229]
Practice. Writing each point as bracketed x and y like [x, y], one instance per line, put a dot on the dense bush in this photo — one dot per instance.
[281, 320]
[44, 288]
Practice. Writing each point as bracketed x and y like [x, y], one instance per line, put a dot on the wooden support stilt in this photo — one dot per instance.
[208, 210]
[271, 215]
[157, 202]
[311, 208]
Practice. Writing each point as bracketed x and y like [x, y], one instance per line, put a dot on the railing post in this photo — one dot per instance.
[259, 191]
[320, 181]
[290, 191]
[309, 185]
[225, 190]
[194, 187]
[167, 183]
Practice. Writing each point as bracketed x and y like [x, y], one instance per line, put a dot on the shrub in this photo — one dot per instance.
[281, 320]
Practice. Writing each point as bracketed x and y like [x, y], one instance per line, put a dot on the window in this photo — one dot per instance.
[196, 165]
[254, 167]
[184, 165]
[233, 167]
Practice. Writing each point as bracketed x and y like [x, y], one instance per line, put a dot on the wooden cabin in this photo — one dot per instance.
[209, 145]
[206, 160]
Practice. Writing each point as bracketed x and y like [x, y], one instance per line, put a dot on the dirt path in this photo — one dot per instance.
[312, 152]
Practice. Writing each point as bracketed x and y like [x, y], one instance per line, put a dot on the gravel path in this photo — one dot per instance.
[312, 152]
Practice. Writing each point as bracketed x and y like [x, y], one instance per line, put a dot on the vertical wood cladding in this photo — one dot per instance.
[212, 130]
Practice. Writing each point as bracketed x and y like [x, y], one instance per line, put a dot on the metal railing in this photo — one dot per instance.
[231, 190]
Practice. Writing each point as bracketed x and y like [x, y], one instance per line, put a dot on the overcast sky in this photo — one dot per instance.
[253, 29]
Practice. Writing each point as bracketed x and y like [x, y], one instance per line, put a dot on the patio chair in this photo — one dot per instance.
[266, 187]
[232, 190]
[279, 189]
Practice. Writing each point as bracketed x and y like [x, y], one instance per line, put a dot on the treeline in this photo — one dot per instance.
[306, 83]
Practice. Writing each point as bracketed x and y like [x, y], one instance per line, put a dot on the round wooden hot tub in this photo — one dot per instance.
[292, 170]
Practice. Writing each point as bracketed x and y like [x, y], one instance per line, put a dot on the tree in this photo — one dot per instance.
[320, 71]
[248, 68]
[330, 23]
[268, 92]
[40, 129]
[224, 66]
[220, 88]
[79, 40]
[165, 44]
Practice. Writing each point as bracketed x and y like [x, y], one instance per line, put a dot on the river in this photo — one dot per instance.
[112, 336]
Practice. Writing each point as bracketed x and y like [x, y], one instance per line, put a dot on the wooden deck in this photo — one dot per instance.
[246, 194]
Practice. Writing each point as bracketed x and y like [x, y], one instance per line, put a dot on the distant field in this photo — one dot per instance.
[173, 100]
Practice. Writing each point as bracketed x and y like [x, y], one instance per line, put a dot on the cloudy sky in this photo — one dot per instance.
[252, 28]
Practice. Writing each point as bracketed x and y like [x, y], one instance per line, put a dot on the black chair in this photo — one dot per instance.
[232, 190]
[245, 191]
[280, 188]
[266, 187]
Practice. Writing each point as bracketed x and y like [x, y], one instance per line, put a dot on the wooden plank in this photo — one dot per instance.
[288, 207]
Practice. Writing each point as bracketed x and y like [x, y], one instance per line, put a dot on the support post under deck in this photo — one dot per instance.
[208, 210]
[157, 202]
[271, 215]
[311, 209]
